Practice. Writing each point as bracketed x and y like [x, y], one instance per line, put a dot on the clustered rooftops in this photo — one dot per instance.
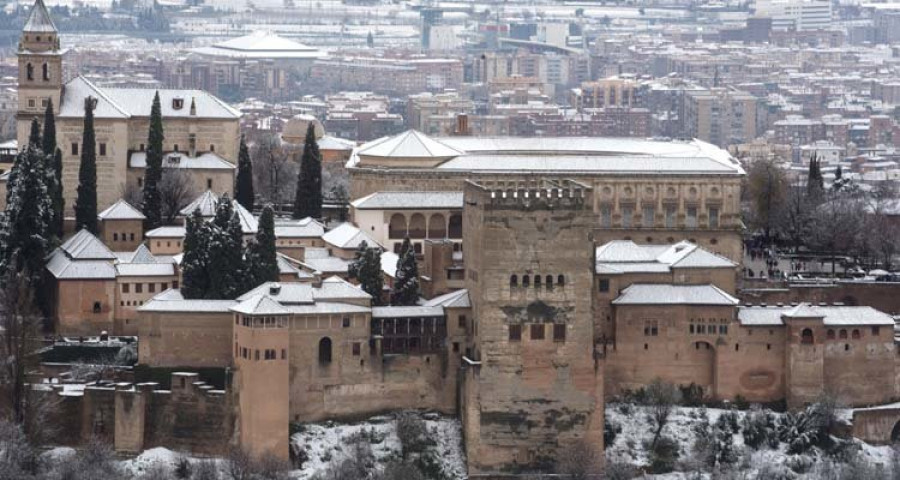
[625, 256]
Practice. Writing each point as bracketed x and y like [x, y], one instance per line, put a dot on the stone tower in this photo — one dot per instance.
[261, 382]
[40, 68]
[533, 383]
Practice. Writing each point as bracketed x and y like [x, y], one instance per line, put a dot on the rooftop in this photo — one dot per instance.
[831, 315]
[669, 294]
[39, 20]
[121, 210]
[261, 45]
[625, 256]
[409, 200]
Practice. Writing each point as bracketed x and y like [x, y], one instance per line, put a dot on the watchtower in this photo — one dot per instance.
[40, 68]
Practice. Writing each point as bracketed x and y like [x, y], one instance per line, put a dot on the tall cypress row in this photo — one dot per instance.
[243, 189]
[194, 279]
[57, 197]
[308, 198]
[86, 200]
[261, 255]
[48, 143]
[53, 173]
[152, 205]
[34, 136]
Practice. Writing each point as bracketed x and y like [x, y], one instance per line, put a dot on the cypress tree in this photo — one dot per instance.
[405, 291]
[86, 200]
[24, 242]
[34, 136]
[356, 266]
[308, 199]
[152, 205]
[57, 198]
[261, 255]
[225, 269]
[366, 268]
[48, 143]
[243, 189]
[195, 281]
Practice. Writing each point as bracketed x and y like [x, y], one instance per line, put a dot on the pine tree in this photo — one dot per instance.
[226, 266]
[152, 206]
[356, 266]
[262, 258]
[86, 200]
[405, 291]
[370, 277]
[195, 281]
[243, 189]
[34, 136]
[24, 243]
[48, 143]
[815, 183]
[308, 199]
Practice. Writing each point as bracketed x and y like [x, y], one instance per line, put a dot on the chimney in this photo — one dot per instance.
[462, 124]
[274, 289]
[317, 280]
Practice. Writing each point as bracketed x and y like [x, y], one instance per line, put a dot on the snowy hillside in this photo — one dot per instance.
[704, 449]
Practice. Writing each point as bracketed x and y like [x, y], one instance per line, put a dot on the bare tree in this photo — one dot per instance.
[176, 190]
[661, 399]
[274, 170]
[767, 189]
[132, 194]
[580, 461]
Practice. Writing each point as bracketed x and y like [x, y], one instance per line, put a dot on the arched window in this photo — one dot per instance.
[830, 334]
[45, 72]
[324, 351]
[842, 334]
[537, 281]
[455, 226]
[561, 280]
[97, 307]
[29, 71]
[417, 226]
[513, 280]
[549, 281]
[437, 226]
[855, 334]
[806, 337]
[397, 226]
[526, 280]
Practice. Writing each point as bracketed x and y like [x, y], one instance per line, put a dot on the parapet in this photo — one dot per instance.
[537, 194]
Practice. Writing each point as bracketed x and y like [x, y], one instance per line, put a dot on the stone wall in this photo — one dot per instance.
[883, 296]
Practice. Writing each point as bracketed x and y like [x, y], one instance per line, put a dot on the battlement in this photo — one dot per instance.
[538, 194]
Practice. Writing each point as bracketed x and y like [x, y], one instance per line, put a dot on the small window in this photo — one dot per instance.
[830, 334]
[842, 334]
[356, 349]
[462, 322]
[561, 280]
[559, 332]
[126, 287]
[138, 288]
[513, 280]
[151, 287]
[97, 307]
[212, 148]
[141, 147]
[537, 331]
[549, 281]
[526, 281]
[855, 334]
[346, 322]
[325, 351]
[455, 347]
[284, 354]
[875, 331]
[115, 237]
[31, 103]
[141, 182]
[209, 184]
[74, 148]
[102, 147]
[515, 333]
[537, 281]
[131, 236]
[256, 355]
[603, 285]
[175, 147]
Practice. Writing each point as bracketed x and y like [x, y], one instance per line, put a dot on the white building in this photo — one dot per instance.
[796, 14]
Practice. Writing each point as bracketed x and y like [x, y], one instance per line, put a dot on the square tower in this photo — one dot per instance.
[40, 68]
[533, 383]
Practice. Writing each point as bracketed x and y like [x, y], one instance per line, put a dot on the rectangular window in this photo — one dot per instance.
[256, 355]
[647, 217]
[605, 216]
[356, 349]
[559, 332]
[151, 287]
[346, 323]
[670, 216]
[713, 217]
[537, 331]
[515, 333]
[126, 287]
[138, 288]
[209, 184]
[30, 103]
[875, 331]
[284, 354]
[691, 329]
[102, 147]
[723, 329]
[462, 322]
[603, 285]
[691, 217]
[627, 214]
[74, 148]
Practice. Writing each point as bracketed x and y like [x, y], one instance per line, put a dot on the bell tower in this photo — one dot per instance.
[40, 68]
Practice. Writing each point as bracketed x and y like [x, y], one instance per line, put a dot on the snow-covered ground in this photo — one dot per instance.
[629, 445]
[327, 443]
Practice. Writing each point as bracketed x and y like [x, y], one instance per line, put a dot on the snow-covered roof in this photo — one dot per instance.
[207, 203]
[625, 256]
[63, 267]
[457, 299]
[39, 20]
[204, 161]
[137, 102]
[329, 142]
[669, 294]
[166, 232]
[142, 254]
[409, 144]
[407, 312]
[145, 269]
[303, 228]
[261, 45]
[348, 236]
[260, 305]
[332, 289]
[564, 155]
[157, 304]
[85, 246]
[121, 210]
[831, 315]
[409, 200]
[327, 264]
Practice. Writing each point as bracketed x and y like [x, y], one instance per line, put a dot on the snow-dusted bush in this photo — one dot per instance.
[412, 432]
[800, 463]
[619, 471]
[729, 421]
[759, 428]
[610, 431]
[664, 454]
[775, 471]
[800, 431]
[714, 446]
